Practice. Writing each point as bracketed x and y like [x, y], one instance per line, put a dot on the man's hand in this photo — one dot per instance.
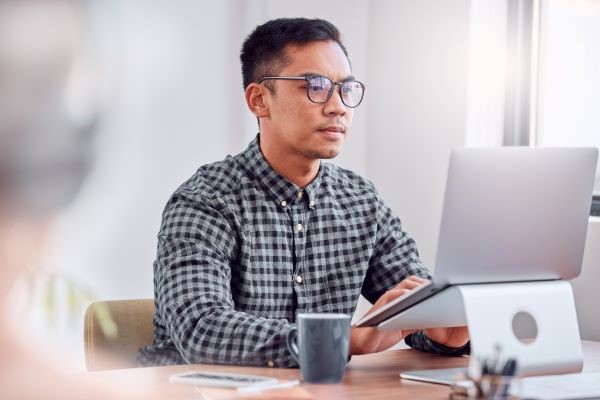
[451, 337]
[370, 340]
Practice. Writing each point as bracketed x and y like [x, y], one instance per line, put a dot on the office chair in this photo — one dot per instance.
[135, 329]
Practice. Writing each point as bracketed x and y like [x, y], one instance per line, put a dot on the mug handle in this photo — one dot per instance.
[292, 344]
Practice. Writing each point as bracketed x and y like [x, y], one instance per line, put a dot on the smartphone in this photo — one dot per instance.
[219, 379]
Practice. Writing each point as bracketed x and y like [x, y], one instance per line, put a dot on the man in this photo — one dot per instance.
[248, 242]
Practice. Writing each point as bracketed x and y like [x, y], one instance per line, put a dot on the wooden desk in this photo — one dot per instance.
[373, 376]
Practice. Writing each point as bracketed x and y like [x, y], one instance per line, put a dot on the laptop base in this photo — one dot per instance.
[445, 376]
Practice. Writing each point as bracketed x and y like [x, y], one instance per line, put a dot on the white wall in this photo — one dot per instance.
[171, 90]
[416, 107]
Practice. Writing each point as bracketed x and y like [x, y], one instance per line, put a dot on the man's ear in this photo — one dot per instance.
[256, 100]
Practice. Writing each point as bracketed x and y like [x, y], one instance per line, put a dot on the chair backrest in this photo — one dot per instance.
[135, 329]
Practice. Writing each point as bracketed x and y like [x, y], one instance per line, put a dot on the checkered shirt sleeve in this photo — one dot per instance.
[196, 247]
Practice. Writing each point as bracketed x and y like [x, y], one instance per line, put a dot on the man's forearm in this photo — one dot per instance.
[232, 337]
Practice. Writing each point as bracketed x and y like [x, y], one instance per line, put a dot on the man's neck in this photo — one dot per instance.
[296, 168]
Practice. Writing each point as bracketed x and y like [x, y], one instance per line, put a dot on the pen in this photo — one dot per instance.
[508, 372]
[268, 386]
[510, 367]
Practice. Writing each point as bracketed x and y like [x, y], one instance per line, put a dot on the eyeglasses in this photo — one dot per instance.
[320, 88]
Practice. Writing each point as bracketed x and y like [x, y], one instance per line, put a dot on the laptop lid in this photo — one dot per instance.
[515, 214]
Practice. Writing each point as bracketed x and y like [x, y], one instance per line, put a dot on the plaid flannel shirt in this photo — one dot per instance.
[241, 250]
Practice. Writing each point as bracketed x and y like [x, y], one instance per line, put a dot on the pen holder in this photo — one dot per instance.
[490, 380]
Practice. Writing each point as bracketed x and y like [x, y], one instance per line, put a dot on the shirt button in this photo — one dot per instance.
[283, 203]
[298, 279]
[299, 227]
[271, 363]
[300, 193]
[312, 203]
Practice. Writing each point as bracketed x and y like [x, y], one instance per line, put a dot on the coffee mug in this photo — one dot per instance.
[320, 343]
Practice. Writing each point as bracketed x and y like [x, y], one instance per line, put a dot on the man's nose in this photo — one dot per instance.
[334, 105]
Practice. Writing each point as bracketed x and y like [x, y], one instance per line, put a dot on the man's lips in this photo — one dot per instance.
[333, 129]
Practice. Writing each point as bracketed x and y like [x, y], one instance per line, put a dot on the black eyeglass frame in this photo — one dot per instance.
[335, 83]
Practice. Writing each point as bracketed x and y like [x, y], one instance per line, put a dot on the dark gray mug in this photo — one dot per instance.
[320, 344]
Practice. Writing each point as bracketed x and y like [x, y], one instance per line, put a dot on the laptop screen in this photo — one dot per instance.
[515, 214]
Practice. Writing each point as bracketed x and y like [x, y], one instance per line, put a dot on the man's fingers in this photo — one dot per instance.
[406, 285]
[411, 282]
[371, 340]
[386, 298]
[394, 293]
[417, 279]
[402, 288]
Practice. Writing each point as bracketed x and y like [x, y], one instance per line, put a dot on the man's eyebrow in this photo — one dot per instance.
[311, 73]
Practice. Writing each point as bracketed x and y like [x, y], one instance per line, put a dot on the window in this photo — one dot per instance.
[568, 104]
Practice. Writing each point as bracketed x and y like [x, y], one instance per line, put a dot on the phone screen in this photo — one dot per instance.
[219, 379]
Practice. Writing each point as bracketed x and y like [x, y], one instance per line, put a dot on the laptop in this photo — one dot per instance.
[511, 214]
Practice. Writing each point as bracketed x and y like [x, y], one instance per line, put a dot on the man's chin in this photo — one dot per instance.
[324, 154]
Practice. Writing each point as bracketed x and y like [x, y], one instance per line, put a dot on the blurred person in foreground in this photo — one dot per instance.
[247, 243]
[45, 146]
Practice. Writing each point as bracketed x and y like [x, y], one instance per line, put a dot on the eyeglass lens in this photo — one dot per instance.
[321, 88]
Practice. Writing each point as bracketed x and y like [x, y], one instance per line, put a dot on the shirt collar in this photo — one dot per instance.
[283, 190]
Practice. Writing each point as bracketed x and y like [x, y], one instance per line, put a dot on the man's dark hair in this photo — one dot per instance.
[263, 51]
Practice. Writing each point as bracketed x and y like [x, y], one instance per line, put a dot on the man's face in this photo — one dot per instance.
[298, 126]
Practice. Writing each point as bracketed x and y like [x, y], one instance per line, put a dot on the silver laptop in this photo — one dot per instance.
[511, 214]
